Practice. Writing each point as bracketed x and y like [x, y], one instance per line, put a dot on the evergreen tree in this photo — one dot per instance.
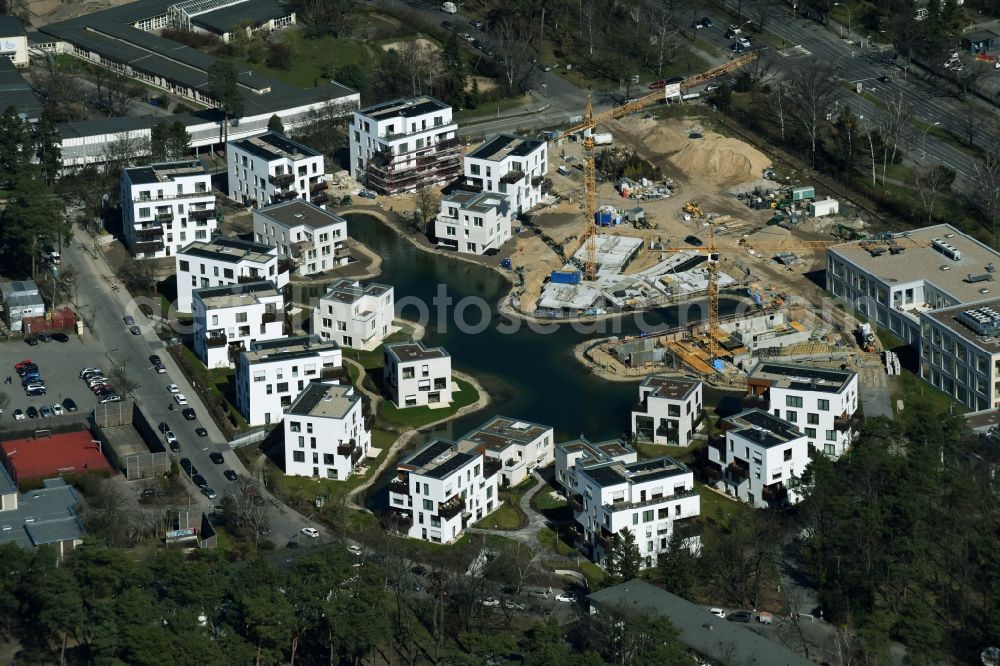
[13, 141]
[47, 147]
[223, 85]
[32, 220]
[452, 85]
[274, 124]
[678, 568]
[624, 561]
[168, 140]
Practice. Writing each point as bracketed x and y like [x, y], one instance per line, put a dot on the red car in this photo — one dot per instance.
[657, 85]
[23, 363]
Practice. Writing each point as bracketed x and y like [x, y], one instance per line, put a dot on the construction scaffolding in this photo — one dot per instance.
[389, 172]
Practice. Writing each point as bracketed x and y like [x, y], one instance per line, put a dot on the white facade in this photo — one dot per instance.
[271, 374]
[231, 318]
[760, 456]
[354, 314]
[415, 375]
[223, 261]
[20, 300]
[960, 353]
[325, 432]
[314, 239]
[13, 41]
[473, 222]
[166, 206]
[821, 402]
[404, 144]
[521, 447]
[511, 166]
[577, 454]
[439, 491]
[669, 410]
[271, 168]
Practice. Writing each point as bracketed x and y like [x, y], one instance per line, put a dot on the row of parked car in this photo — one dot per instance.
[100, 385]
[34, 386]
[33, 340]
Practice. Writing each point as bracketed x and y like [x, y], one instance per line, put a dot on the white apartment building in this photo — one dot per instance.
[521, 447]
[354, 314]
[576, 454]
[229, 319]
[271, 374]
[821, 402]
[473, 222]
[325, 432]
[271, 168]
[512, 166]
[314, 239]
[416, 375]
[225, 260]
[440, 490]
[760, 456]
[404, 144]
[13, 41]
[960, 353]
[650, 498]
[166, 206]
[669, 410]
[892, 281]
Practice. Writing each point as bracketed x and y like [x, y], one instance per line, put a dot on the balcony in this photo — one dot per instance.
[451, 508]
[604, 539]
[281, 180]
[319, 186]
[688, 528]
[164, 217]
[845, 423]
[774, 494]
[537, 180]
[399, 519]
[186, 195]
[284, 195]
[752, 401]
[144, 247]
[512, 177]
[216, 340]
[576, 501]
[399, 486]
[150, 234]
[285, 265]
[271, 317]
[655, 499]
[737, 474]
[491, 467]
[346, 449]
[201, 214]
[320, 199]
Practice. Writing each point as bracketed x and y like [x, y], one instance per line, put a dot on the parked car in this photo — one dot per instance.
[659, 84]
[129, 320]
[354, 550]
[201, 432]
[86, 371]
[180, 399]
[476, 23]
[216, 457]
[45, 337]
[135, 330]
[70, 405]
[175, 446]
[19, 415]
[163, 427]
[707, 22]
[744, 42]
[170, 436]
[310, 532]
[35, 392]
[114, 397]
[367, 194]
[567, 597]
[60, 337]
[490, 602]
[199, 480]
[160, 368]
[740, 616]
[208, 492]
[717, 612]
[21, 364]
[173, 388]
[32, 412]
[694, 241]
[57, 410]
[230, 474]
[186, 465]
[189, 414]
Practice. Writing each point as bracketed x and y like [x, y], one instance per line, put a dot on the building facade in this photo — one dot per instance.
[404, 144]
[13, 41]
[325, 432]
[231, 318]
[821, 402]
[960, 353]
[354, 314]
[521, 447]
[440, 490]
[312, 238]
[511, 166]
[271, 168]
[758, 458]
[669, 410]
[416, 375]
[21, 300]
[473, 222]
[165, 207]
[222, 261]
[271, 374]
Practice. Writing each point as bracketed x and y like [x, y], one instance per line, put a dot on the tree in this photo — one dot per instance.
[813, 89]
[139, 275]
[987, 192]
[50, 601]
[168, 141]
[114, 93]
[780, 106]
[895, 127]
[678, 568]
[58, 89]
[623, 561]
[223, 85]
[511, 46]
[427, 200]
[762, 11]
[352, 75]
[13, 146]
[280, 54]
[546, 645]
[32, 220]
[274, 124]
[123, 380]
[931, 184]
[47, 147]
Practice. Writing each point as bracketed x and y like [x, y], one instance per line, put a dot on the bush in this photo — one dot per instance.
[280, 55]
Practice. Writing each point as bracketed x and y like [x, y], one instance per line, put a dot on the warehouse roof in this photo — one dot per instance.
[10, 26]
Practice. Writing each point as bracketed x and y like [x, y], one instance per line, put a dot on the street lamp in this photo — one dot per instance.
[841, 4]
[923, 143]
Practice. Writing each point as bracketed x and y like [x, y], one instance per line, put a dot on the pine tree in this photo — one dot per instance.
[624, 561]
[677, 567]
[274, 124]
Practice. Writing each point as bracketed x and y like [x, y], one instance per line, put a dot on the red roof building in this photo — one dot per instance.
[47, 457]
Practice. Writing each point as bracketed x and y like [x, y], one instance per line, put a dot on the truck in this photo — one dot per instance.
[603, 139]
[449, 8]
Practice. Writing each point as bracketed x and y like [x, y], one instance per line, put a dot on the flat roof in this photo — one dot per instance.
[298, 212]
[230, 250]
[45, 515]
[476, 202]
[235, 294]
[438, 459]
[673, 388]
[18, 288]
[347, 290]
[803, 378]
[641, 471]
[404, 108]
[502, 432]
[762, 427]
[273, 146]
[596, 452]
[920, 262]
[501, 146]
[166, 172]
[332, 401]
[298, 346]
[10, 26]
[414, 351]
[7, 485]
[61, 453]
[17, 92]
[717, 639]
[227, 19]
[949, 318]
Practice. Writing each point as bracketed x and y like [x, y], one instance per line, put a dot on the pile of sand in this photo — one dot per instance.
[720, 159]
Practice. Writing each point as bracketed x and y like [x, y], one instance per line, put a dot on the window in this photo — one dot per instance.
[812, 419]
[793, 401]
[282, 387]
[788, 455]
[647, 516]
[299, 456]
[635, 518]
[823, 405]
[294, 426]
[328, 459]
[811, 433]
[241, 317]
[428, 505]
[791, 416]
[341, 325]
[185, 266]
[831, 435]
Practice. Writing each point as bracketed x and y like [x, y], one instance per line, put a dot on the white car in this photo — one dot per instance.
[354, 550]
[171, 437]
[311, 532]
[180, 399]
[58, 410]
[173, 388]
[717, 612]
[744, 42]
[566, 598]
[491, 602]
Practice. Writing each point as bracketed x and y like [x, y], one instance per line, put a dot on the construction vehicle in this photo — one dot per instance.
[866, 337]
[693, 209]
[590, 122]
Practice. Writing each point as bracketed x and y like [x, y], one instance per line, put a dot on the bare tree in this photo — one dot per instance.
[139, 275]
[812, 89]
[114, 93]
[124, 382]
[664, 37]
[780, 106]
[895, 127]
[931, 184]
[587, 10]
[869, 132]
[511, 45]
[243, 509]
[763, 11]
[987, 197]
[427, 200]
[58, 88]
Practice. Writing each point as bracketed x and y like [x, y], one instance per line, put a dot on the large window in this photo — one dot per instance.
[793, 401]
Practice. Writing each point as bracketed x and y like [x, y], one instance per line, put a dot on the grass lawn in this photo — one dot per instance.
[376, 357]
[416, 417]
[488, 110]
[508, 516]
[312, 56]
[914, 391]
[682, 454]
[717, 508]
[593, 573]
[544, 500]
[549, 539]
[218, 382]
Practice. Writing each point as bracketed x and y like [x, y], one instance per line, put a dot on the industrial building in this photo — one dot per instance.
[227, 18]
[272, 168]
[520, 446]
[669, 410]
[21, 300]
[960, 352]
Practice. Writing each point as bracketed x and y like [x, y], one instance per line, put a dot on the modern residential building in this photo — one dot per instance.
[579, 453]
[21, 300]
[166, 206]
[416, 375]
[669, 410]
[314, 239]
[325, 432]
[440, 490]
[229, 319]
[404, 144]
[271, 168]
[821, 402]
[891, 281]
[960, 352]
[13, 41]
[354, 314]
[509, 165]
[271, 374]
[473, 222]
[521, 447]
[225, 260]
[758, 458]
[650, 498]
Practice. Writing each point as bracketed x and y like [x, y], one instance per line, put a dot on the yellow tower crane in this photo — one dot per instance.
[590, 122]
